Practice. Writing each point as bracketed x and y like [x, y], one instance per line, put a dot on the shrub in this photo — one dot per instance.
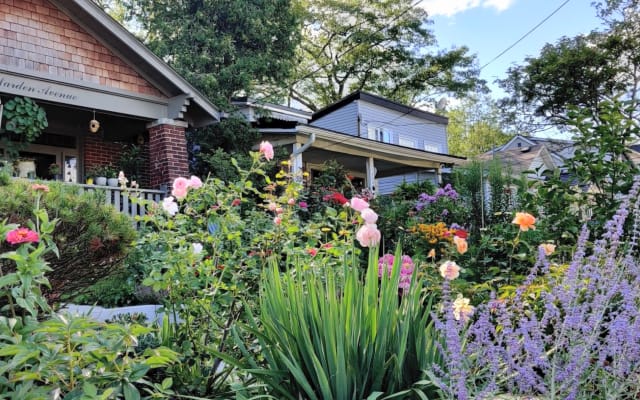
[56, 355]
[92, 237]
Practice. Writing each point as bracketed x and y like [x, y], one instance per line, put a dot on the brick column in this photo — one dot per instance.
[168, 158]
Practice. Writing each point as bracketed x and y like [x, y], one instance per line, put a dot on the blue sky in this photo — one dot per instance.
[488, 27]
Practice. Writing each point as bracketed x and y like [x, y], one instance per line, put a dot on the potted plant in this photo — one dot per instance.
[55, 170]
[100, 173]
[112, 176]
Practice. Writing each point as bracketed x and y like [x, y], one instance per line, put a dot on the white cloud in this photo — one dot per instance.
[451, 7]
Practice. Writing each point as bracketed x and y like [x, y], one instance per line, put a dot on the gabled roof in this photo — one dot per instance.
[255, 109]
[383, 102]
[518, 160]
[115, 37]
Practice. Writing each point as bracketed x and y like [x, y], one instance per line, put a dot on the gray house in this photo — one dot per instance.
[379, 141]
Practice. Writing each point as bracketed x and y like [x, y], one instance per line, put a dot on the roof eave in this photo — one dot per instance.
[123, 43]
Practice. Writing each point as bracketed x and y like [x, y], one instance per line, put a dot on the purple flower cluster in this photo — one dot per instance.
[425, 199]
[584, 340]
[385, 263]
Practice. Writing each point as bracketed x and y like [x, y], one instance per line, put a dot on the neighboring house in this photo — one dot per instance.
[529, 153]
[536, 160]
[380, 142]
[79, 64]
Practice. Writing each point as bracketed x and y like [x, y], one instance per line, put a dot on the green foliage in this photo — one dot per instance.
[25, 120]
[223, 48]
[49, 355]
[5, 173]
[475, 127]
[131, 162]
[24, 117]
[600, 159]
[92, 237]
[328, 333]
[372, 46]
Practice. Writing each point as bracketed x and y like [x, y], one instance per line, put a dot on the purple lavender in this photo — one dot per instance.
[583, 343]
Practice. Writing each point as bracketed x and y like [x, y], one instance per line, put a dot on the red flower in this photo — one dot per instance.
[337, 198]
[22, 235]
[312, 252]
[236, 202]
[461, 233]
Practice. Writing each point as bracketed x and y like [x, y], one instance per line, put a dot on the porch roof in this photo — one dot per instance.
[352, 151]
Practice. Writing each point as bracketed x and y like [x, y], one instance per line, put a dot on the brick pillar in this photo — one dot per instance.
[168, 158]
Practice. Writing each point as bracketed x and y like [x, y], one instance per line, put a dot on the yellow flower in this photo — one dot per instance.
[462, 309]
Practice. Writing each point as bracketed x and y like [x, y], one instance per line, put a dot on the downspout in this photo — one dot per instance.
[304, 147]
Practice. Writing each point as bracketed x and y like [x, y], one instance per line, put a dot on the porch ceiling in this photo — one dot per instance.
[357, 164]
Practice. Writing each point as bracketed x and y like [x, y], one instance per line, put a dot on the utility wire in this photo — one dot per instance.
[526, 34]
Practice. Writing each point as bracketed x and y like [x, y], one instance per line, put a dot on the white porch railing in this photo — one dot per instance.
[122, 201]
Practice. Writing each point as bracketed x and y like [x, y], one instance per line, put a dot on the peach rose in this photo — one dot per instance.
[449, 270]
[526, 221]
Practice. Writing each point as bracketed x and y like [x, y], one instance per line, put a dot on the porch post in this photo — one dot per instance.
[371, 175]
[168, 158]
[296, 162]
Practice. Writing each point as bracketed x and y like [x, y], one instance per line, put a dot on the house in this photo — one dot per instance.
[540, 155]
[380, 142]
[80, 65]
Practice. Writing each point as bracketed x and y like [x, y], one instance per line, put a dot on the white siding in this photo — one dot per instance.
[344, 119]
[418, 130]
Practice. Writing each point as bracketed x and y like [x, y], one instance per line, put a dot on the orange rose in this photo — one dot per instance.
[526, 221]
[461, 244]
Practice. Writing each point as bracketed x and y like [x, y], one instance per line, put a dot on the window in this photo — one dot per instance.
[407, 143]
[434, 148]
[384, 135]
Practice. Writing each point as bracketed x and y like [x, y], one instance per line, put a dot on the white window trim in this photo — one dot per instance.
[407, 142]
[432, 147]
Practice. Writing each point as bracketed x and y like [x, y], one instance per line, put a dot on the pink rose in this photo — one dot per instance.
[368, 235]
[277, 220]
[312, 252]
[369, 216]
[195, 182]
[180, 187]
[272, 206]
[267, 150]
[449, 270]
[22, 235]
[359, 204]
[279, 210]
[291, 201]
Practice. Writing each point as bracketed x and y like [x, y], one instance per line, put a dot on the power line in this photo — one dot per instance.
[526, 34]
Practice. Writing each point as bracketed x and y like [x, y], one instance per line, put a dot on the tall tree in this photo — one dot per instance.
[475, 127]
[380, 46]
[222, 47]
[582, 71]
